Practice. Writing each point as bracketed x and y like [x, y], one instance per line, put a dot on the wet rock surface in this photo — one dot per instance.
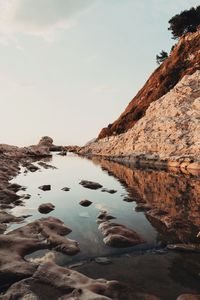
[90, 184]
[45, 208]
[119, 236]
[46, 233]
[50, 282]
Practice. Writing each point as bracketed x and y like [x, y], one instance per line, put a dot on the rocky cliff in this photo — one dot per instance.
[169, 129]
[183, 60]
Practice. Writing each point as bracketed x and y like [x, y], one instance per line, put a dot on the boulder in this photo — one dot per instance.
[46, 141]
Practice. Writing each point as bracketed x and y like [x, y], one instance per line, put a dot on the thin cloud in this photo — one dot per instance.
[41, 18]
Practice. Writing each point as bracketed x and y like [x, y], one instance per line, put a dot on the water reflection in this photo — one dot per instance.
[175, 199]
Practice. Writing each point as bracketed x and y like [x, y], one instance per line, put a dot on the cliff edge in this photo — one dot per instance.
[183, 60]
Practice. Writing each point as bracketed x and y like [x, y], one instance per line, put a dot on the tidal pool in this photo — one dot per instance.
[179, 194]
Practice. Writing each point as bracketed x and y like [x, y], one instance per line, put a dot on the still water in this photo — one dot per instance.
[178, 193]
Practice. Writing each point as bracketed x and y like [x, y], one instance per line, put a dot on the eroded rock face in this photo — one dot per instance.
[51, 282]
[119, 236]
[168, 130]
[183, 60]
[90, 184]
[46, 233]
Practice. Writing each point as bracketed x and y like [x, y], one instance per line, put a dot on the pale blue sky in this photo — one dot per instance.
[70, 67]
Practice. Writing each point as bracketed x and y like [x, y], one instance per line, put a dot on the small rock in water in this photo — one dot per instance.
[109, 191]
[90, 184]
[65, 189]
[45, 208]
[85, 203]
[103, 260]
[63, 153]
[45, 187]
[26, 196]
[103, 216]
[128, 199]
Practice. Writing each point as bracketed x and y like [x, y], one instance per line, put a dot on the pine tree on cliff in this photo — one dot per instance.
[161, 57]
[186, 21]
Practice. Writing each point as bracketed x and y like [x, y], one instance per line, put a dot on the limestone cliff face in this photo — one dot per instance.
[183, 60]
[170, 127]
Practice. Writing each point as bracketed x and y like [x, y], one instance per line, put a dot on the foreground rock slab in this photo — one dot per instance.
[46, 233]
[90, 184]
[51, 282]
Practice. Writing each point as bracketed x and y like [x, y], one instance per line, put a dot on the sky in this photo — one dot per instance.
[69, 67]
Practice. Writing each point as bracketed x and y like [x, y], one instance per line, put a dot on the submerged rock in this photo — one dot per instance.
[45, 208]
[66, 189]
[85, 203]
[109, 191]
[90, 184]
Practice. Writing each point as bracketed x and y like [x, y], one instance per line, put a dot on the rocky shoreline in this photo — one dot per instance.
[37, 279]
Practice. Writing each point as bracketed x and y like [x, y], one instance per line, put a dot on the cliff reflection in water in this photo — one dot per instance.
[173, 199]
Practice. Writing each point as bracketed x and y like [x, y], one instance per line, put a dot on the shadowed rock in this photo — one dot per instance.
[45, 208]
[90, 184]
[46, 233]
[51, 282]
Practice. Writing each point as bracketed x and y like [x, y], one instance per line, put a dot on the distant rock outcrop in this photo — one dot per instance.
[183, 60]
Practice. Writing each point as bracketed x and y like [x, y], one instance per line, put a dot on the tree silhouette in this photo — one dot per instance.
[161, 57]
[186, 21]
